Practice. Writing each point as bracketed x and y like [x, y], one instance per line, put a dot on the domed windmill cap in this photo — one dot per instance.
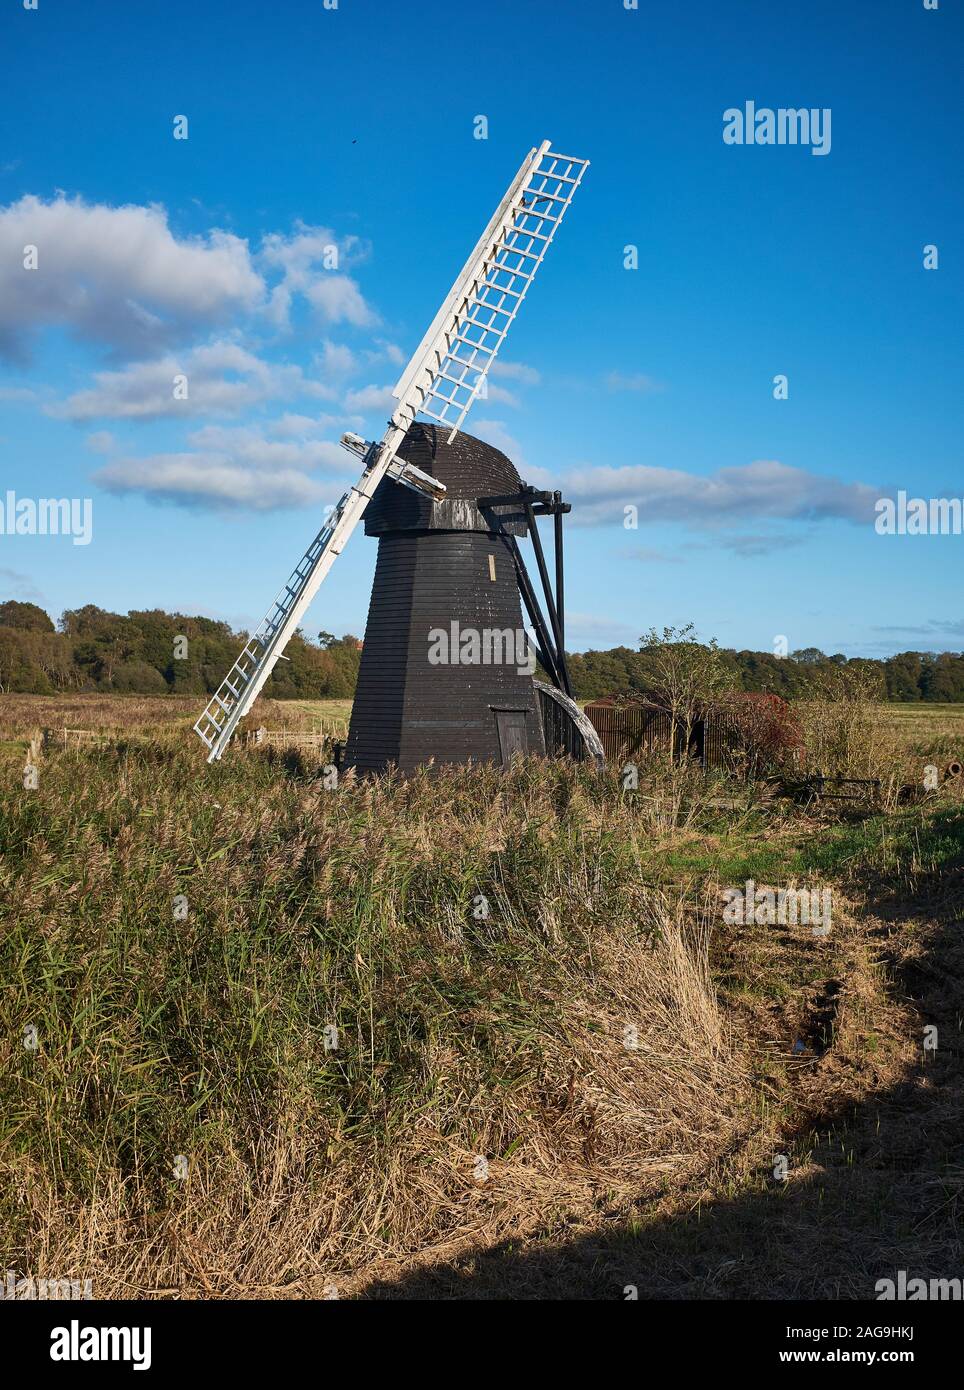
[470, 469]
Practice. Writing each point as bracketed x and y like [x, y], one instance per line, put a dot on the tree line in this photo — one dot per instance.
[908, 676]
[155, 653]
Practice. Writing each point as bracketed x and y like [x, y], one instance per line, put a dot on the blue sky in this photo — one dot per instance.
[650, 387]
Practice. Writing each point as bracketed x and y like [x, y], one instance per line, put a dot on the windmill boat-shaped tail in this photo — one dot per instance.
[445, 375]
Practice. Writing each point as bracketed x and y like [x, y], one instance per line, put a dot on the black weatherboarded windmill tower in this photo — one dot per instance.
[446, 673]
[445, 589]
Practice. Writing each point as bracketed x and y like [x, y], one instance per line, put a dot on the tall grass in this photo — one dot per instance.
[565, 1030]
[844, 734]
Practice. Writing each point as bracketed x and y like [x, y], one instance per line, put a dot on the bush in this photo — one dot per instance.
[136, 677]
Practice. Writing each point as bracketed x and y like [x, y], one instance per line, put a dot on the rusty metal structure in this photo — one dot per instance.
[740, 734]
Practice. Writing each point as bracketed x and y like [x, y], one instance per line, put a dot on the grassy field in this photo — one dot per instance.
[26, 714]
[471, 1035]
[928, 730]
[915, 733]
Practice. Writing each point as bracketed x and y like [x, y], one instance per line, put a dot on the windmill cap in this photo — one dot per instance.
[468, 467]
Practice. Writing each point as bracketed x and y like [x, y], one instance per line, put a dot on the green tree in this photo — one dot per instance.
[685, 676]
[27, 617]
[903, 674]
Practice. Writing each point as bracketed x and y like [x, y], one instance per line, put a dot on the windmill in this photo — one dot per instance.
[445, 375]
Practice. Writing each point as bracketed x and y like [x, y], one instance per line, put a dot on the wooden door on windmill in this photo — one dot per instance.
[511, 727]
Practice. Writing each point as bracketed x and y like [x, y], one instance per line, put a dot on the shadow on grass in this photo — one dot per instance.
[878, 1188]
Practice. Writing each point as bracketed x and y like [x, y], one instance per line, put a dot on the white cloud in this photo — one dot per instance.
[336, 360]
[120, 277]
[371, 398]
[515, 371]
[100, 442]
[222, 379]
[301, 252]
[499, 395]
[246, 445]
[292, 426]
[311, 262]
[392, 351]
[196, 480]
[764, 489]
[116, 275]
[338, 299]
[232, 466]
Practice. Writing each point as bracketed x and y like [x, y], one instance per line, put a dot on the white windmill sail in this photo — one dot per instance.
[453, 358]
[445, 375]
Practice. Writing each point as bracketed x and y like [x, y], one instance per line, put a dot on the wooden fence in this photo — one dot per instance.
[309, 738]
[81, 736]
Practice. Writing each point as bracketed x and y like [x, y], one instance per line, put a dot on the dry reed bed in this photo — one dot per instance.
[23, 716]
[461, 1036]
